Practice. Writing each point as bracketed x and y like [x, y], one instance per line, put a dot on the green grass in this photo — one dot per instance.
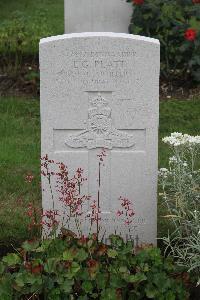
[53, 10]
[20, 153]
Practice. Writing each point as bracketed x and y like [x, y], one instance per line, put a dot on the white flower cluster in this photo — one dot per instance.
[177, 139]
[163, 172]
[173, 160]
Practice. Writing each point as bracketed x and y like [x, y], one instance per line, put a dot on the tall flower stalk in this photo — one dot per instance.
[67, 190]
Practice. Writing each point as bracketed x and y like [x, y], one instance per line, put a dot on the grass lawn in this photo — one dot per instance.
[53, 10]
[20, 153]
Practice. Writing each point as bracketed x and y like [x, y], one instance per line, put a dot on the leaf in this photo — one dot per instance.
[170, 295]
[87, 286]
[50, 265]
[137, 278]
[2, 267]
[6, 291]
[75, 267]
[20, 280]
[11, 259]
[101, 280]
[90, 243]
[123, 269]
[116, 240]
[30, 245]
[81, 255]
[44, 246]
[108, 294]
[66, 286]
[95, 295]
[112, 253]
[32, 279]
[116, 281]
[171, 216]
[146, 268]
[54, 294]
[84, 274]
[151, 292]
[67, 255]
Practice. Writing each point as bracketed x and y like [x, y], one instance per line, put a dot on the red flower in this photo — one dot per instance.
[83, 240]
[128, 222]
[37, 269]
[196, 1]
[33, 269]
[119, 213]
[29, 213]
[190, 34]
[92, 263]
[29, 178]
[131, 213]
[102, 154]
[28, 266]
[138, 2]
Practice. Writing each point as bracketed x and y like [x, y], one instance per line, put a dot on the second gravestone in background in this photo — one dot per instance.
[101, 91]
[97, 15]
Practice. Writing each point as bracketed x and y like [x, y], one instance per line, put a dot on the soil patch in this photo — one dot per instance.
[23, 83]
[179, 90]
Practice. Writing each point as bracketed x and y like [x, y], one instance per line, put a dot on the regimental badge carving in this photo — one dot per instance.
[100, 132]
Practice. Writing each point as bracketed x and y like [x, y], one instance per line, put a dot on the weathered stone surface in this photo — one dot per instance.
[95, 15]
[100, 90]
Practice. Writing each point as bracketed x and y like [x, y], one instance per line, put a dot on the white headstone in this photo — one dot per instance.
[101, 90]
[97, 16]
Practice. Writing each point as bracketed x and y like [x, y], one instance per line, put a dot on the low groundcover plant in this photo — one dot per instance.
[70, 267]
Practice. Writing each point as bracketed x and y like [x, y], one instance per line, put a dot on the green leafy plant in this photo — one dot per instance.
[176, 23]
[19, 38]
[72, 267]
[180, 185]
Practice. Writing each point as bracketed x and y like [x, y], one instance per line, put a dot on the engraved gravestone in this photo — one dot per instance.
[101, 90]
[97, 15]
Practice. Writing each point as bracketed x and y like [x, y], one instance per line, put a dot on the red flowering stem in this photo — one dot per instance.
[78, 226]
[98, 200]
[129, 230]
[51, 191]
[50, 186]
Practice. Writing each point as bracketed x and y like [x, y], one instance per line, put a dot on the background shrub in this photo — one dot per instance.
[176, 23]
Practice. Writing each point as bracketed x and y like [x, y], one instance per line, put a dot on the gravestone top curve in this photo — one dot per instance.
[99, 34]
